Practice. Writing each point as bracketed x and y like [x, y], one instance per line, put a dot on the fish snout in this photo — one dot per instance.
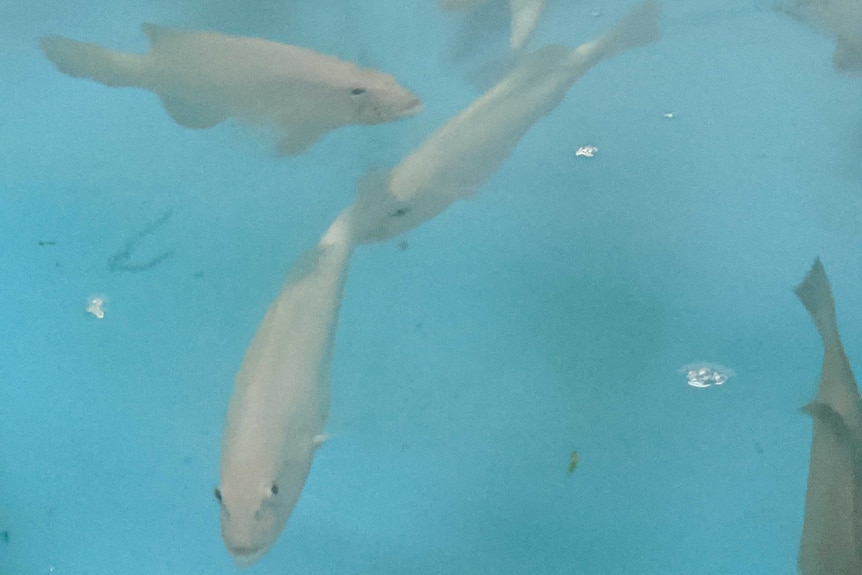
[413, 107]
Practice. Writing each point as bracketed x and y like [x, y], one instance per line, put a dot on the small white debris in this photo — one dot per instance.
[96, 306]
[669, 116]
[595, 13]
[587, 151]
[703, 374]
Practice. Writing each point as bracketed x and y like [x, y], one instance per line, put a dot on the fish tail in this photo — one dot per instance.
[637, 28]
[85, 60]
[525, 17]
[815, 294]
[340, 232]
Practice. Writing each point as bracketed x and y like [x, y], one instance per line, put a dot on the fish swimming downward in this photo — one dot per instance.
[832, 529]
[455, 161]
[280, 400]
[204, 78]
[841, 19]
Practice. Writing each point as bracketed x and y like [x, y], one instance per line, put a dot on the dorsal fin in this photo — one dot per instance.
[159, 34]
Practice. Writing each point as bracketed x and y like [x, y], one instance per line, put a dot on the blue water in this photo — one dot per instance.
[548, 314]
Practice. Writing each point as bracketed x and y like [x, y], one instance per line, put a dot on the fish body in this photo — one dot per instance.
[280, 400]
[841, 19]
[203, 78]
[456, 160]
[832, 530]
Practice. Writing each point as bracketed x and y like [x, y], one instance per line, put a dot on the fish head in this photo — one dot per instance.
[379, 98]
[254, 510]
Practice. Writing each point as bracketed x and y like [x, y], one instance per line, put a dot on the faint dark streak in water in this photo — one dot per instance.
[122, 260]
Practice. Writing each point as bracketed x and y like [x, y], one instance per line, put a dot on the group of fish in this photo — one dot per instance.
[280, 402]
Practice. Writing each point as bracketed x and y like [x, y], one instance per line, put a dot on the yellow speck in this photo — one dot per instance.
[573, 461]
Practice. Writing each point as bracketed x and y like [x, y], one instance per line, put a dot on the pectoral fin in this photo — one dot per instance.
[190, 114]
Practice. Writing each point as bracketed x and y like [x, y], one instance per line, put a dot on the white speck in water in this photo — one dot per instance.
[669, 116]
[587, 151]
[96, 306]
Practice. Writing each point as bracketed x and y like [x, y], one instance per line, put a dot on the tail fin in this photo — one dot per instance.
[815, 294]
[525, 17]
[340, 232]
[84, 60]
[637, 28]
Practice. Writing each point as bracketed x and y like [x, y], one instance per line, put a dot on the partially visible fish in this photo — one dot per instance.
[280, 400]
[841, 19]
[832, 530]
[204, 78]
[456, 160]
[525, 16]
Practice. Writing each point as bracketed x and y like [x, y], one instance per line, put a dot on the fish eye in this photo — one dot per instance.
[357, 91]
[274, 489]
[217, 494]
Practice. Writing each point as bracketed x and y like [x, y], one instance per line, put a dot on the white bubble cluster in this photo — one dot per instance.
[702, 374]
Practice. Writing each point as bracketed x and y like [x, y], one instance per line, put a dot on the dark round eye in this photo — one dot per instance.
[217, 494]
[357, 91]
[274, 489]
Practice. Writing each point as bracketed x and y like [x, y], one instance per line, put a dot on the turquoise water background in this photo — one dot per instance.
[548, 314]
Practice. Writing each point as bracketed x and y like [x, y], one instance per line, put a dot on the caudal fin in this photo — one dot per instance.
[85, 60]
[525, 17]
[815, 293]
[637, 28]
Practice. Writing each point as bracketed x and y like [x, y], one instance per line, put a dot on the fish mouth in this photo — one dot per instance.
[246, 556]
[413, 107]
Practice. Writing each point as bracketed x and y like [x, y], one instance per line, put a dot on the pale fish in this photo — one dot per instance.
[204, 78]
[832, 530]
[841, 19]
[280, 400]
[455, 161]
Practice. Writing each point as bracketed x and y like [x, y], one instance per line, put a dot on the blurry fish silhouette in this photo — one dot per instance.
[841, 19]
[280, 401]
[460, 5]
[456, 160]
[832, 531]
[525, 16]
[204, 78]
